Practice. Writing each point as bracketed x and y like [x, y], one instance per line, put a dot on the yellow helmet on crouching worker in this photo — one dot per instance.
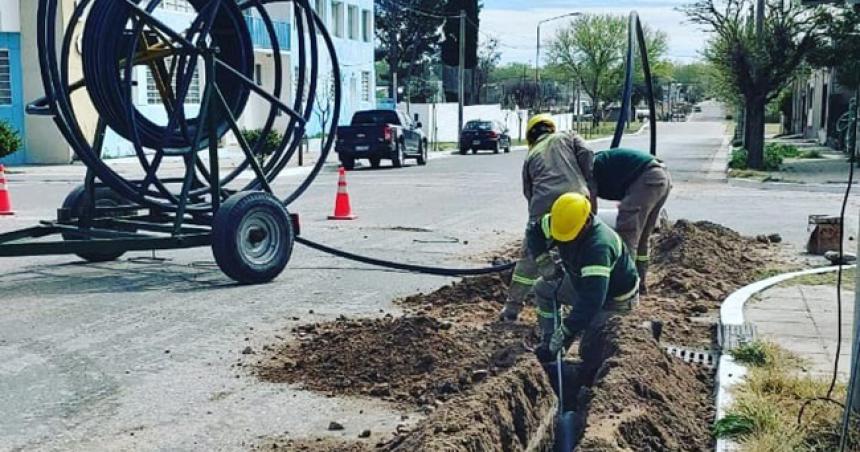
[543, 120]
[570, 213]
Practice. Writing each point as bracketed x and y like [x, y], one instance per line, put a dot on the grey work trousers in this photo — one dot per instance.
[640, 210]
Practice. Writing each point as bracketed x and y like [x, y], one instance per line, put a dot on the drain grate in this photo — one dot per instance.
[701, 357]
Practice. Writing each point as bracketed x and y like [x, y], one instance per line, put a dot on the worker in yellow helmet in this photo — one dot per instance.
[556, 163]
[596, 277]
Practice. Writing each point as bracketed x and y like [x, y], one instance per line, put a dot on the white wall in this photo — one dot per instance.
[444, 119]
[10, 16]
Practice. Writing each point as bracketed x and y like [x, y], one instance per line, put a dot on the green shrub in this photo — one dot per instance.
[269, 147]
[739, 159]
[772, 159]
[783, 150]
[10, 141]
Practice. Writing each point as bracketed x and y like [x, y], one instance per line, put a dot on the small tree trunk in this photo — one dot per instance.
[754, 132]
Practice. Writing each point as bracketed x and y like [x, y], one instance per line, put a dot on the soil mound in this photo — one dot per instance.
[415, 360]
[704, 262]
[505, 414]
[644, 399]
[473, 300]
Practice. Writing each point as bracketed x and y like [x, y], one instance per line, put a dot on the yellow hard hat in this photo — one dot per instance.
[540, 119]
[570, 214]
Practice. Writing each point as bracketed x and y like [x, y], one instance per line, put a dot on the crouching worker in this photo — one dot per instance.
[557, 163]
[597, 278]
[642, 184]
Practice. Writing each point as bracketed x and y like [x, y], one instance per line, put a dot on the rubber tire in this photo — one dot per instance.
[422, 154]
[347, 163]
[474, 151]
[374, 162]
[498, 148]
[463, 151]
[226, 227]
[76, 201]
[508, 150]
[397, 158]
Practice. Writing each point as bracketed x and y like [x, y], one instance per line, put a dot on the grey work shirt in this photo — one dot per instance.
[558, 163]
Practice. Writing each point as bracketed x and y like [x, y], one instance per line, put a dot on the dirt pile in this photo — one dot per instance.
[644, 399]
[473, 300]
[704, 262]
[484, 391]
[415, 360]
[507, 413]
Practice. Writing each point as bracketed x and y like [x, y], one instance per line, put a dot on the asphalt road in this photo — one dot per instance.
[136, 354]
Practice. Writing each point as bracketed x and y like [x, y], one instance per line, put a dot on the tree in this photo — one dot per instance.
[409, 34]
[488, 58]
[840, 49]
[451, 32]
[592, 48]
[751, 66]
[324, 106]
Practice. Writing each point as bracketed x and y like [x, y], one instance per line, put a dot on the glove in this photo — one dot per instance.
[561, 340]
[548, 269]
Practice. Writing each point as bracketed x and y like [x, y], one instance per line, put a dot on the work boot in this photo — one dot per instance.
[511, 312]
[642, 269]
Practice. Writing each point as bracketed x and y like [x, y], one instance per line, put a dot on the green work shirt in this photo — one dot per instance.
[616, 169]
[598, 263]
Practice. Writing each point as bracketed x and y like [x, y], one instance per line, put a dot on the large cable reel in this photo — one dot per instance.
[207, 54]
[117, 36]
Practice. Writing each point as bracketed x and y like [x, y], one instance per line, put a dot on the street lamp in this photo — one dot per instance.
[537, 59]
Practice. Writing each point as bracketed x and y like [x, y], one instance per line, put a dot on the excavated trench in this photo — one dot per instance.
[480, 387]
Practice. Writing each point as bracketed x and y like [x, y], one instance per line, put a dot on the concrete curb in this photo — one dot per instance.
[733, 325]
[788, 186]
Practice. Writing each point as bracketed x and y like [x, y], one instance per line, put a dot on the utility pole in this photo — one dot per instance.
[462, 81]
[394, 86]
[854, 385]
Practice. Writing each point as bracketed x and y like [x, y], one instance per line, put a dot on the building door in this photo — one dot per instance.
[11, 92]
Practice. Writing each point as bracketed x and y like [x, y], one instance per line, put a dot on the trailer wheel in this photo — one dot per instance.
[252, 237]
[77, 202]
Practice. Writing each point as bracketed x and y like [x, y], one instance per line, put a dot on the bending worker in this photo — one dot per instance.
[642, 184]
[598, 278]
[556, 163]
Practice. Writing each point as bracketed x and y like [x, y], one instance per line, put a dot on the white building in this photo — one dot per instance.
[349, 21]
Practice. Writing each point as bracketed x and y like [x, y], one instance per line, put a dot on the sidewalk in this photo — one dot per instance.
[828, 172]
[800, 316]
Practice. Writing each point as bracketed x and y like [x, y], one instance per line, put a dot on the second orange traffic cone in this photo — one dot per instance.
[5, 201]
[342, 208]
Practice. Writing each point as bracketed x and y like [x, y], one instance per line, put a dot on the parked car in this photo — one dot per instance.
[697, 109]
[378, 135]
[484, 135]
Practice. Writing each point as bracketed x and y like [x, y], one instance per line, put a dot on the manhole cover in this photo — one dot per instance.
[701, 357]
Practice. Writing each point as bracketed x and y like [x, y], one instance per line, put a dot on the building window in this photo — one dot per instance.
[352, 16]
[258, 74]
[153, 96]
[367, 30]
[5, 78]
[365, 86]
[177, 5]
[337, 19]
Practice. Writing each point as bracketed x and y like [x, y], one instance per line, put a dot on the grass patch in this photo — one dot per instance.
[764, 414]
[824, 279]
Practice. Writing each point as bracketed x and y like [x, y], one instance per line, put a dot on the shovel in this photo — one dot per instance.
[565, 426]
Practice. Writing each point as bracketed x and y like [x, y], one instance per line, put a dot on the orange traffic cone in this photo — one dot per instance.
[5, 202]
[342, 208]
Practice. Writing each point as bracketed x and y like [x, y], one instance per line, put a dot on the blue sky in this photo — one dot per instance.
[514, 23]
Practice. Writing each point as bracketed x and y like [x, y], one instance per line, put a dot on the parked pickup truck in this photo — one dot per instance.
[378, 135]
